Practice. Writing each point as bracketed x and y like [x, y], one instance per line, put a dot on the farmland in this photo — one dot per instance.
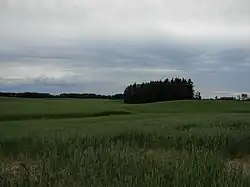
[70, 142]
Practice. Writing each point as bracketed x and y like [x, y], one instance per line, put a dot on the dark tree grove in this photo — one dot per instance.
[154, 91]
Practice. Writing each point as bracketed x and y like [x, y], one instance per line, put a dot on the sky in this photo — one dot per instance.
[102, 46]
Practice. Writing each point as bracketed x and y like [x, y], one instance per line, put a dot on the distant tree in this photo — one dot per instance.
[63, 95]
[244, 96]
[153, 91]
[198, 96]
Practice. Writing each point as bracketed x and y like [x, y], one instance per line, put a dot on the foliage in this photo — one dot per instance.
[154, 91]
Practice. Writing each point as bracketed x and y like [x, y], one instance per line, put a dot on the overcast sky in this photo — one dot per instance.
[102, 46]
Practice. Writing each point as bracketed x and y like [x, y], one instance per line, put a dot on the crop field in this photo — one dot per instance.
[70, 142]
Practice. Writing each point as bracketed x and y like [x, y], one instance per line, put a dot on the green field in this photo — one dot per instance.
[72, 142]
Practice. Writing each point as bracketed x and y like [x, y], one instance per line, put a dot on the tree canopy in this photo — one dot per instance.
[154, 91]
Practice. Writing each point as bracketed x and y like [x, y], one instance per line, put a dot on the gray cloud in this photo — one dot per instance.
[101, 46]
[62, 21]
[110, 67]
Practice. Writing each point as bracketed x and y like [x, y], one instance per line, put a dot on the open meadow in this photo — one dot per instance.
[73, 142]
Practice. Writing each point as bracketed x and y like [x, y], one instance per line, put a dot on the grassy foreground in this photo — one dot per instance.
[184, 143]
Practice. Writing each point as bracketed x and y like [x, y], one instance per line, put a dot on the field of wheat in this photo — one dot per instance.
[107, 143]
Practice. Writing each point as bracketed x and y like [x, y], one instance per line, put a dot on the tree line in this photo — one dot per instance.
[167, 90]
[146, 92]
[63, 95]
[153, 91]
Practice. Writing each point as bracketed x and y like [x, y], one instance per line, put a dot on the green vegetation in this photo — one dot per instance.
[68, 108]
[156, 91]
[108, 143]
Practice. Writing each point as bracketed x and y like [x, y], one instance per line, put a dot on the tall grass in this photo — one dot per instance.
[148, 148]
[128, 159]
[16, 117]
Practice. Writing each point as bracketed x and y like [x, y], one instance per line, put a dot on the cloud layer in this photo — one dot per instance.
[101, 46]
